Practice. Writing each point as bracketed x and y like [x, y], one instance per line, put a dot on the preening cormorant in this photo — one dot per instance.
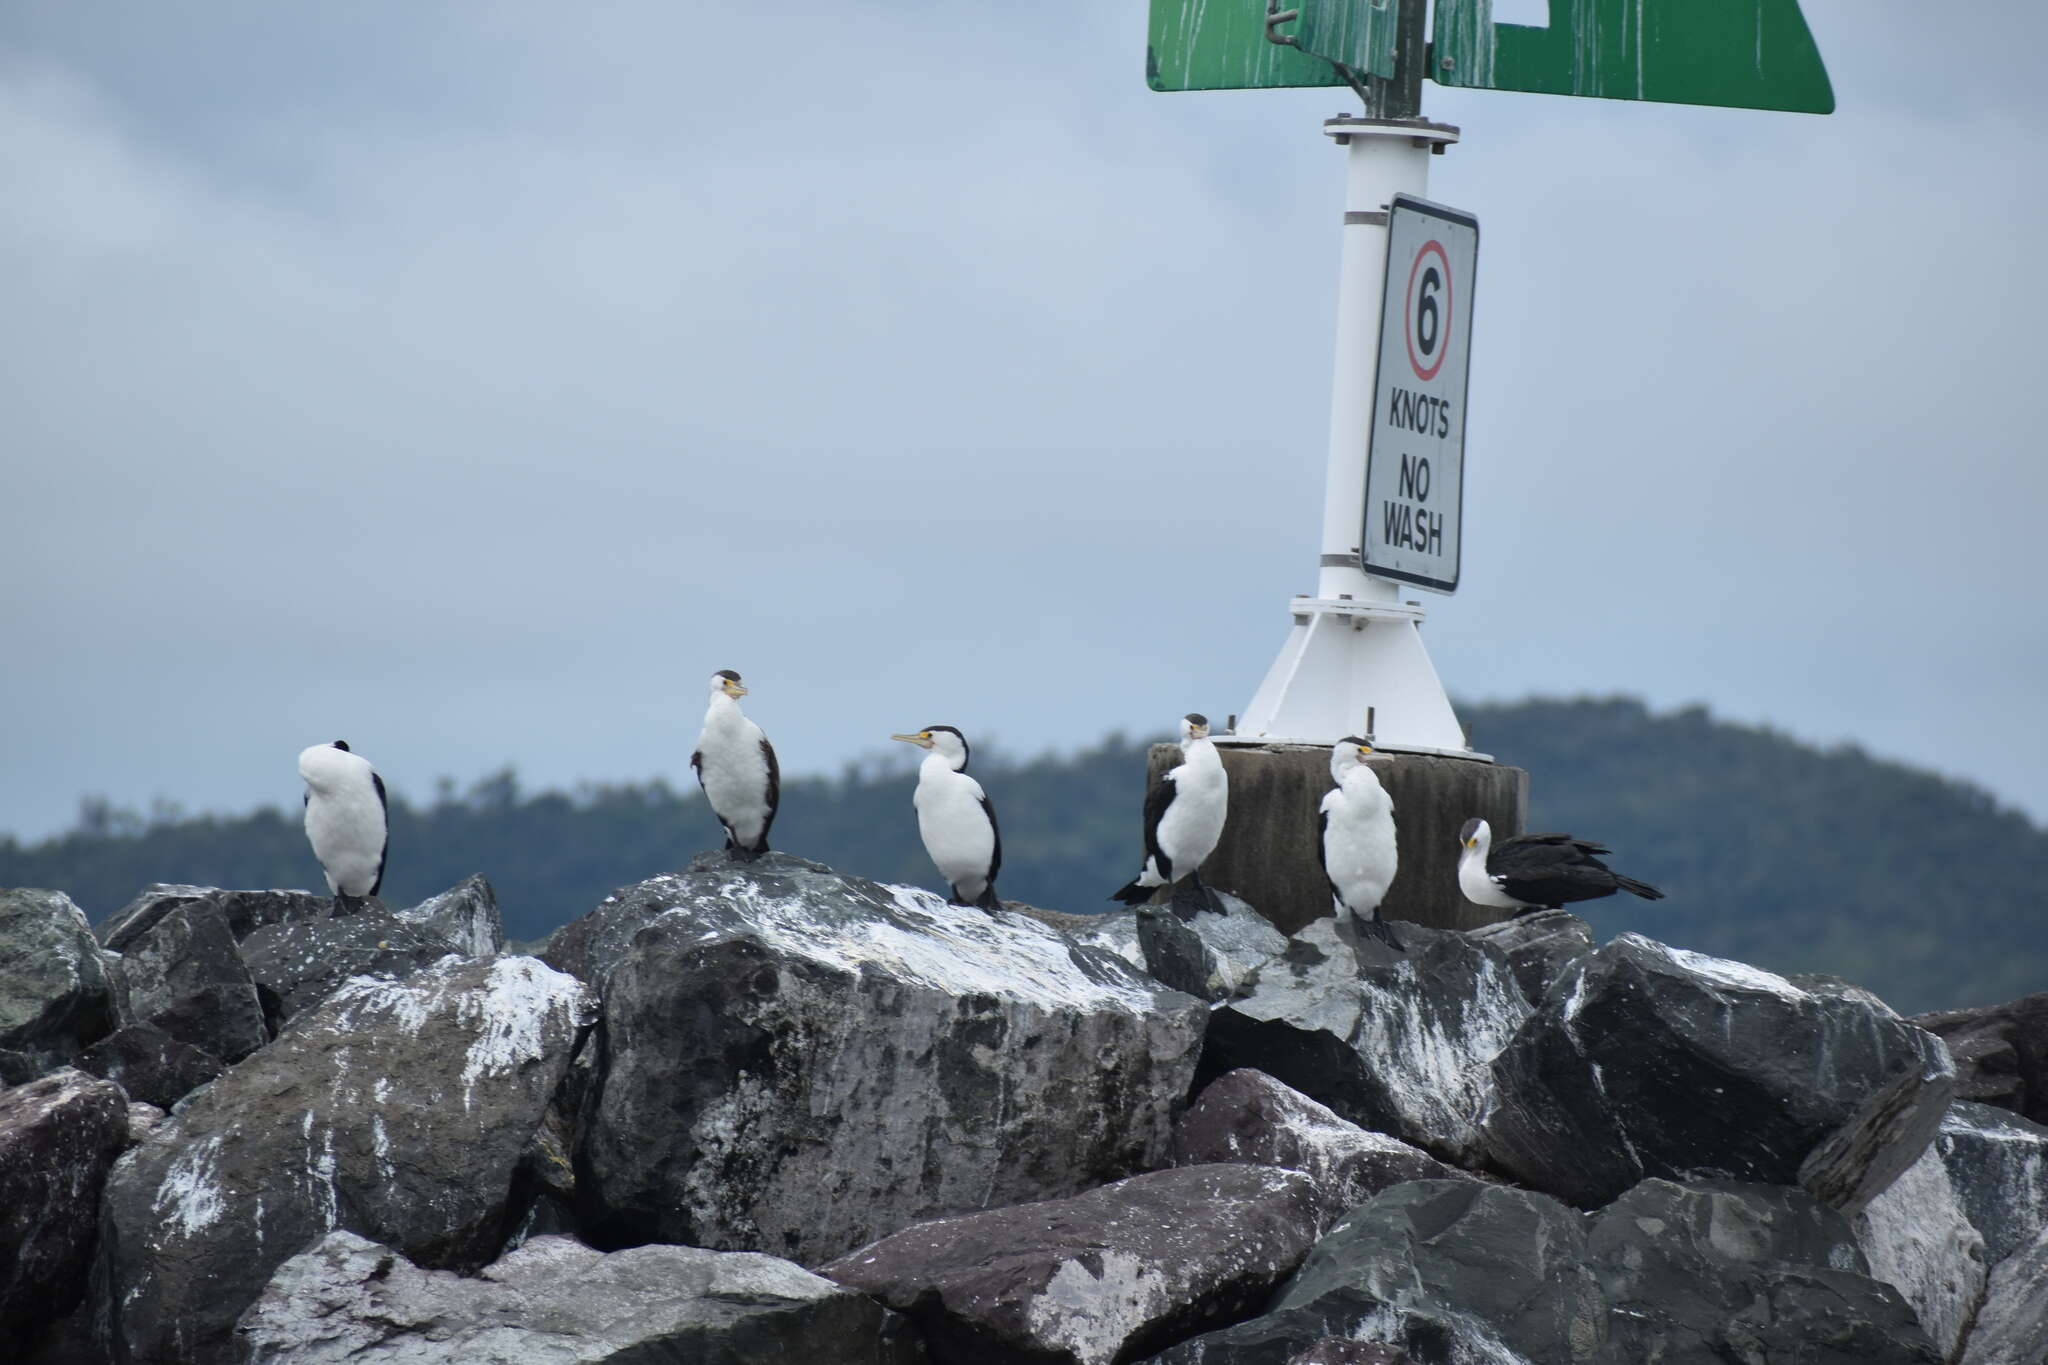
[1537, 871]
[346, 820]
[1184, 815]
[1357, 846]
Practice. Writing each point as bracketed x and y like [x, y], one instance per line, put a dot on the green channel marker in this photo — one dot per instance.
[1742, 54]
[1221, 45]
[1357, 33]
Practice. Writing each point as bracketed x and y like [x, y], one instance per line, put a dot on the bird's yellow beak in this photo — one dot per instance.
[733, 689]
[922, 739]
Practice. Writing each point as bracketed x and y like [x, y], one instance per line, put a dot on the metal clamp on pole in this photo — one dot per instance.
[1277, 17]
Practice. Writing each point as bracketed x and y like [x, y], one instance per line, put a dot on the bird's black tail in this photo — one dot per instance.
[1643, 889]
[1133, 894]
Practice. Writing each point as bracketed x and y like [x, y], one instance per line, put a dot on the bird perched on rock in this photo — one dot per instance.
[346, 820]
[1537, 871]
[1184, 815]
[955, 818]
[1357, 845]
[736, 767]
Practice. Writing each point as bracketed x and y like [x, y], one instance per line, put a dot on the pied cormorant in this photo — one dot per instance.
[1184, 815]
[1537, 871]
[955, 818]
[1357, 846]
[346, 820]
[736, 767]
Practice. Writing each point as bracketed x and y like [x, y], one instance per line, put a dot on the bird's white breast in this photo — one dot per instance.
[1193, 822]
[1360, 849]
[956, 830]
[733, 770]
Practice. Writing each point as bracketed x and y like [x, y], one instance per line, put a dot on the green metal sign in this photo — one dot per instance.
[1747, 54]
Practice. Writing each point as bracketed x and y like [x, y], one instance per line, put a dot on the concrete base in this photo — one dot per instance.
[1268, 851]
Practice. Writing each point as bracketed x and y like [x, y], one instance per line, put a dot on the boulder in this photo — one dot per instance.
[1997, 1163]
[1396, 1041]
[1098, 1278]
[1653, 1061]
[1211, 956]
[1538, 947]
[800, 1062]
[2001, 1053]
[1919, 1240]
[185, 975]
[554, 1301]
[2012, 1325]
[242, 911]
[135, 918]
[1246, 1115]
[58, 1136]
[1463, 1273]
[55, 998]
[298, 963]
[397, 1110]
[1335, 1351]
[466, 915]
[150, 1065]
[1449, 1271]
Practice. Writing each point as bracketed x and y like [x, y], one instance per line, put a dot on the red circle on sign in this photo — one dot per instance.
[1429, 248]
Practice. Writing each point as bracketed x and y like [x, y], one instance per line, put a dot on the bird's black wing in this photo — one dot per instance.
[1585, 846]
[774, 791]
[384, 853]
[1156, 802]
[1322, 855]
[995, 860]
[697, 765]
[1550, 870]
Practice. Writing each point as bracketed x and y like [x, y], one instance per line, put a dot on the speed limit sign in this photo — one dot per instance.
[1415, 463]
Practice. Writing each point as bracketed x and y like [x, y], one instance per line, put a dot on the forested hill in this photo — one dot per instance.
[1773, 852]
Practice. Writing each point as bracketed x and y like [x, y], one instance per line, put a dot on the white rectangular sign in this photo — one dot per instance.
[1415, 460]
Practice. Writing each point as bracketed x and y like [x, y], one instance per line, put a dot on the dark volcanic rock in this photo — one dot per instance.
[1998, 1164]
[398, 1110]
[1334, 1351]
[150, 1065]
[1730, 1272]
[241, 911]
[1098, 1278]
[1539, 947]
[1449, 1271]
[2012, 1326]
[1394, 1041]
[1246, 1115]
[2001, 1053]
[1652, 1061]
[556, 1302]
[799, 1062]
[1470, 1274]
[58, 1136]
[138, 916]
[55, 998]
[466, 915]
[299, 963]
[185, 975]
[1211, 956]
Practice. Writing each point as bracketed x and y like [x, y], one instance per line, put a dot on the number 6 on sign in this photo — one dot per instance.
[1415, 462]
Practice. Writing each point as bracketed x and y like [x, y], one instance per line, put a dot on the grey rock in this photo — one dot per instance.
[138, 916]
[799, 1062]
[1246, 1115]
[555, 1302]
[466, 915]
[143, 1119]
[1653, 1061]
[1333, 1351]
[1395, 1041]
[1919, 1240]
[185, 975]
[1100, 1277]
[1705, 1274]
[58, 1136]
[241, 911]
[298, 963]
[1538, 947]
[150, 1065]
[1462, 1273]
[1451, 1272]
[398, 1110]
[55, 998]
[2012, 1326]
[2001, 1053]
[1211, 956]
[1997, 1163]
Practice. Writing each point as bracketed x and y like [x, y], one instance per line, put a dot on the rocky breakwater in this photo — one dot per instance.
[754, 1113]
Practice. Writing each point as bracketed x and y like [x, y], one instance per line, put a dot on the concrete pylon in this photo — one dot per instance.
[1267, 854]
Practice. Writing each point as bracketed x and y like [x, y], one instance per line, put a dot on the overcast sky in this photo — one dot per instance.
[472, 380]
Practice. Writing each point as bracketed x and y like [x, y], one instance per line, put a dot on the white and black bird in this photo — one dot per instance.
[346, 820]
[1357, 845]
[736, 767]
[1184, 815]
[955, 818]
[1537, 871]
